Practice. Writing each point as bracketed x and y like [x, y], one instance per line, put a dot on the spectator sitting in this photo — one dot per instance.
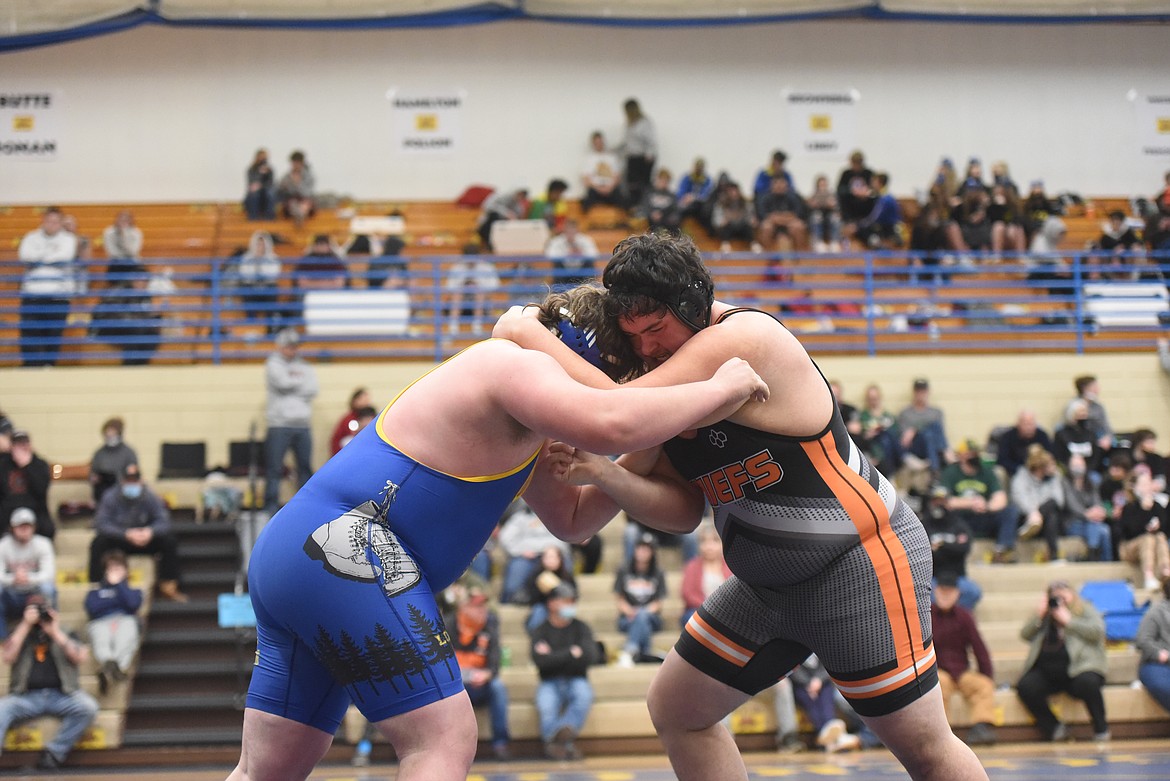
[639, 589]
[1006, 216]
[507, 205]
[1117, 237]
[28, 565]
[572, 254]
[883, 225]
[694, 188]
[824, 217]
[1090, 518]
[260, 196]
[259, 270]
[928, 236]
[553, 570]
[1039, 493]
[768, 174]
[976, 496]
[782, 215]
[523, 538]
[476, 642]
[1037, 208]
[878, 438]
[970, 227]
[1076, 437]
[923, 431]
[321, 268]
[813, 691]
[111, 607]
[475, 277]
[296, 190]
[49, 283]
[387, 268]
[45, 680]
[563, 648]
[1144, 521]
[732, 218]
[1066, 653]
[123, 245]
[24, 482]
[601, 176]
[855, 195]
[950, 545]
[660, 206]
[704, 573]
[134, 519]
[1012, 445]
[111, 459]
[1143, 449]
[1153, 642]
[956, 638]
[348, 426]
[552, 208]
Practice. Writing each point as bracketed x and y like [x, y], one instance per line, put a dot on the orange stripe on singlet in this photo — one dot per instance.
[716, 642]
[887, 554]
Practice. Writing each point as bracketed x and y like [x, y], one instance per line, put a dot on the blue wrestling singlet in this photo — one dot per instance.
[343, 581]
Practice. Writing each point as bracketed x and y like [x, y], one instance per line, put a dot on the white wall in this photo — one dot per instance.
[161, 114]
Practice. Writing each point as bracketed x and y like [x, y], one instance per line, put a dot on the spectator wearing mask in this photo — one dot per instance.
[134, 519]
[950, 545]
[24, 482]
[28, 565]
[111, 459]
[476, 641]
[563, 648]
[45, 680]
[975, 495]
[111, 607]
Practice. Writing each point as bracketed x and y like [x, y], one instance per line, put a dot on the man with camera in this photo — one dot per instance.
[1067, 654]
[45, 680]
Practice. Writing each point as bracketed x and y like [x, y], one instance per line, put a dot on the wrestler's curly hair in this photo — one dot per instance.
[651, 273]
[586, 306]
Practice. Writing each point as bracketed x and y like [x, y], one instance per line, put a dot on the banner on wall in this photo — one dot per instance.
[1153, 118]
[821, 123]
[426, 122]
[29, 124]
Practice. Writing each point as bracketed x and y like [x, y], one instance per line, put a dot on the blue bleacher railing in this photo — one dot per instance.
[201, 311]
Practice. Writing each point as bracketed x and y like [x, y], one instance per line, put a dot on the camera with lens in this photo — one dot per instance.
[1053, 602]
[42, 613]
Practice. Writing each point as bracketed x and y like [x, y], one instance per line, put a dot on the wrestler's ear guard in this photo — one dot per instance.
[582, 341]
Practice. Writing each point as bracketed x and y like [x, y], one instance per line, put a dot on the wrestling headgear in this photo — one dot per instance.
[582, 341]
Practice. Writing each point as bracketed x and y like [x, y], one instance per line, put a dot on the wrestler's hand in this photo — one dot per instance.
[741, 379]
[571, 465]
[514, 321]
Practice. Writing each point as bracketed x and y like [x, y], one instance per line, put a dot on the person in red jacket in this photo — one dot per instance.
[955, 633]
[704, 573]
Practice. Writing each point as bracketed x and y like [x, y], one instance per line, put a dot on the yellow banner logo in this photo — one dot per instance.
[23, 123]
[820, 123]
[426, 122]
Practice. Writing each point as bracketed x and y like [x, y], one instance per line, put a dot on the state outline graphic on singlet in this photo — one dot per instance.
[343, 544]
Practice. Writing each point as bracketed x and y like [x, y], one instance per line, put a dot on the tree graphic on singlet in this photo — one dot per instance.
[383, 658]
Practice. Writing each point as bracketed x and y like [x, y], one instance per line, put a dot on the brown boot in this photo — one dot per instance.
[169, 589]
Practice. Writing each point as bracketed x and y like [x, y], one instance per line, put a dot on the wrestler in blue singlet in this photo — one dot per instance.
[343, 581]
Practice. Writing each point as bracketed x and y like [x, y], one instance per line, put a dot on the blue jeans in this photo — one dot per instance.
[1156, 678]
[563, 702]
[76, 711]
[1000, 526]
[279, 441]
[1095, 535]
[516, 574]
[640, 630]
[929, 443]
[537, 616]
[495, 694]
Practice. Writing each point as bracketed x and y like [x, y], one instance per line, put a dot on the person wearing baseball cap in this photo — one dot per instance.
[27, 564]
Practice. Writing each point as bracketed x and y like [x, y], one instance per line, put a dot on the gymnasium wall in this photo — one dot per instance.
[162, 114]
[64, 407]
